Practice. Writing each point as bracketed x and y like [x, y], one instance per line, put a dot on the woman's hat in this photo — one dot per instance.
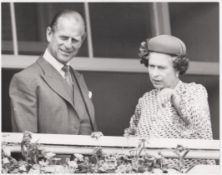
[167, 44]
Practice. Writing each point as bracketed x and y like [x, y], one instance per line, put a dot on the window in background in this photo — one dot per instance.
[28, 24]
[6, 30]
[118, 28]
[197, 24]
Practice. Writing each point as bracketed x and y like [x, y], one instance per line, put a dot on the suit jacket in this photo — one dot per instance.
[40, 102]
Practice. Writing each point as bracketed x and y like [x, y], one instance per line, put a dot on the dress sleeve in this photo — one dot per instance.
[23, 104]
[134, 120]
[195, 112]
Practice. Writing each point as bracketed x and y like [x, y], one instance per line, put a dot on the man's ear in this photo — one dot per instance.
[84, 37]
[49, 33]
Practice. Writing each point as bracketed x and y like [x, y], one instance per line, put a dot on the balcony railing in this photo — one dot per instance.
[70, 144]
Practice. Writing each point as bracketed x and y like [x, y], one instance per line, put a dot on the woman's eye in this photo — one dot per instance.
[161, 67]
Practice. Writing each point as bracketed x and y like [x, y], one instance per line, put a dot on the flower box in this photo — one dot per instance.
[102, 154]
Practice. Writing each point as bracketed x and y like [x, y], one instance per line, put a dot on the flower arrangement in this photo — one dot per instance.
[39, 161]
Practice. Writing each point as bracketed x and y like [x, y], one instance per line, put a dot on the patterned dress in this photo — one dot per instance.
[154, 121]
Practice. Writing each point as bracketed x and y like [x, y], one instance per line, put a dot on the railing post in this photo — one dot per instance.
[14, 30]
[88, 27]
[161, 18]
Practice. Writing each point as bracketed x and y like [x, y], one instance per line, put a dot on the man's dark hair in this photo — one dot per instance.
[54, 21]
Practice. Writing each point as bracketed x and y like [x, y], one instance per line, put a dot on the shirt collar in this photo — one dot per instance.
[56, 64]
[48, 57]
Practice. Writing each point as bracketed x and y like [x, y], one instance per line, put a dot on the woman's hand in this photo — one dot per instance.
[168, 94]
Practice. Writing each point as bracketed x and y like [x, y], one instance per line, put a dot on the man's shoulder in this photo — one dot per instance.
[30, 71]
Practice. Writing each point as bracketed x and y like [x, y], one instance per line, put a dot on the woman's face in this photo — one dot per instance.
[161, 71]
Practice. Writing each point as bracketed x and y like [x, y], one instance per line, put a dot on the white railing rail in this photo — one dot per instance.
[67, 144]
[108, 64]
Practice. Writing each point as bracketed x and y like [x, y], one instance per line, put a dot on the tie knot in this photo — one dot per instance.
[66, 68]
[67, 76]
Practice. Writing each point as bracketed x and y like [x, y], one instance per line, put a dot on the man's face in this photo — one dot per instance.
[66, 39]
[161, 71]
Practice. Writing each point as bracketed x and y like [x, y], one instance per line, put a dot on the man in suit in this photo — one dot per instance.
[50, 96]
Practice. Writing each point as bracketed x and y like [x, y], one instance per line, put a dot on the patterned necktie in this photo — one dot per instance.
[68, 76]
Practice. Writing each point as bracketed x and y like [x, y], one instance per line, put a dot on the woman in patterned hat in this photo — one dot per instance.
[173, 109]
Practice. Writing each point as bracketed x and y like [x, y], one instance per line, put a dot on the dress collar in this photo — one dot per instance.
[177, 87]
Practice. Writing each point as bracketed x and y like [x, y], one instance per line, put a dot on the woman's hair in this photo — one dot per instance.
[180, 63]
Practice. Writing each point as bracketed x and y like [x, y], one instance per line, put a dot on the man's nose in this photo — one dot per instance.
[68, 43]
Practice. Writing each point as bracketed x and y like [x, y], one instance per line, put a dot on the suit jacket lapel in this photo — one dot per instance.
[84, 92]
[55, 81]
[58, 84]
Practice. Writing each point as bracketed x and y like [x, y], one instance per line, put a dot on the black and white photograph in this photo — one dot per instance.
[110, 87]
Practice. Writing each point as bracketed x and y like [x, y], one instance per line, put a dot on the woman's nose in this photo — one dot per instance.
[155, 72]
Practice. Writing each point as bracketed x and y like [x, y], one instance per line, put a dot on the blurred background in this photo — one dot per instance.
[108, 58]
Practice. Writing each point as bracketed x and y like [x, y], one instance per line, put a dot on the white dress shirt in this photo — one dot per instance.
[56, 64]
